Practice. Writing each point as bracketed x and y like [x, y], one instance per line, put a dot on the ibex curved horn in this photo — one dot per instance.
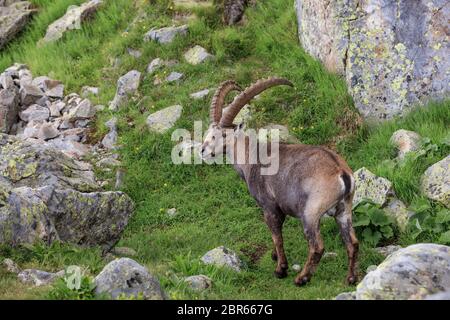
[218, 100]
[248, 94]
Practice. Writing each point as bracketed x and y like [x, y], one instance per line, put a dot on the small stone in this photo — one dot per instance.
[174, 76]
[99, 108]
[398, 210]
[172, 212]
[38, 277]
[163, 120]
[154, 65]
[197, 55]
[346, 296]
[108, 162]
[47, 131]
[223, 257]
[35, 112]
[296, 267]
[125, 277]
[436, 182]
[10, 266]
[165, 35]
[330, 255]
[124, 251]
[82, 111]
[200, 94]
[200, 282]
[405, 141]
[127, 85]
[444, 295]
[54, 89]
[134, 53]
[87, 91]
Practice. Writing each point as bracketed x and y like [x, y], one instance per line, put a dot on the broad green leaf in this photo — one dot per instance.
[378, 217]
[387, 231]
[443, 216]
[371, 237]
[361, 220]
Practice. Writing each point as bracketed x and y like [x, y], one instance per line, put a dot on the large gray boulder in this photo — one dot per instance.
[46, 195]
[410, 273]
[393, 53]
[436, 182]
[14, 16]
[74, 17]
[370, 187]
[125, 277]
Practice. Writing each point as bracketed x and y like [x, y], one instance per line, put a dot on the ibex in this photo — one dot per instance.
[311, 181]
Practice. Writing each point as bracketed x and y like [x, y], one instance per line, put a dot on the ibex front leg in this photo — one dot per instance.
[312, 233]
[275, 224]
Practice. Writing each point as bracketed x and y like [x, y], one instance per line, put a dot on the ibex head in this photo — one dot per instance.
[222, 131]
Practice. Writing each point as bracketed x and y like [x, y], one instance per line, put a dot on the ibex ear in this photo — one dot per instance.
[239, 127]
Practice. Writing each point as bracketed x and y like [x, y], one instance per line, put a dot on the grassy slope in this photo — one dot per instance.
[213, 205]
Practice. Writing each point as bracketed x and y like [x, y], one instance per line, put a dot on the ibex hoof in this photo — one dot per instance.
[301, 281]
[274, 256]
[280, 274]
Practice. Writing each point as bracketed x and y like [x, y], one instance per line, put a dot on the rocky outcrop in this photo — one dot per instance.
[166, 35]
[126, 278]
[46, 195]
[436, 182]
[38, 277]
[393, 53]
[14, 15]
[410, 273]
[370, 187]
[73, 19]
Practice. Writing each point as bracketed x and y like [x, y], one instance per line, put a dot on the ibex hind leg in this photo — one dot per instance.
[343, 218]
[311, 224]
[275, 224]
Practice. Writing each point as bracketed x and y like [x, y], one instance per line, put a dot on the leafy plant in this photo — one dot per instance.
[429, 221]
[65, 288]
[373, 224]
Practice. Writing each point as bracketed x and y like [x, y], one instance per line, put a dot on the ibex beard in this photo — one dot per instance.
[308, 182]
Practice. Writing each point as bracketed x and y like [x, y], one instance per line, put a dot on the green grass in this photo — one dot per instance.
[213, 204]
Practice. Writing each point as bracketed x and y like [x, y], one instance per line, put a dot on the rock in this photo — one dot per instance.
[405, 141]
[124, 251]
[75, 15]
[70, 147]
[436, 182]
[233, 11]
[47, 131]
[125, 277]
[9, 104]
[154, 65]
[30, 94]
[369, 186]
[48, 196]
[223, 257]
[54, 89]
[174, 76]
[172, 212]
[126, 85]
[84, 110]
[329, 255]
[110, 140]
[200, 94]
[35, 113]
[445, 295]
[166, 35]
[199, 283]
[197, 55]
[346, 296]
[14, 16]
[134, 53]
[86, 91]
[387, 250]
[394, 54]
[108, 162]
[11, 266]
[397, 209]
[410, 273]
[163, 120]
[38, 277]
[296, 268]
